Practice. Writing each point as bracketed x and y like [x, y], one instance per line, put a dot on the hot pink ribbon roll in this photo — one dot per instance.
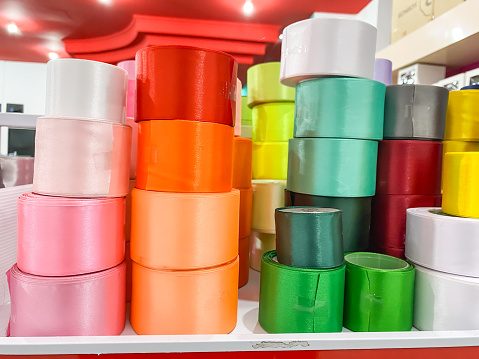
[81, 158]
[129, 67]
[90, 304]
[60, 236]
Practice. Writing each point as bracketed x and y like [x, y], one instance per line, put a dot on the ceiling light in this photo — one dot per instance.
[281, 36]
[12, 28]
[53, 55]
[248, 7]
[105, 2]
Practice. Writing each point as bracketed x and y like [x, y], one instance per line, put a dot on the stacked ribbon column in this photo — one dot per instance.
[71, 231]
[246, 118]
[185, 213]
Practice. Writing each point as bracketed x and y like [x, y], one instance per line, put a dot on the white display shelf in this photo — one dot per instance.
[18, 120]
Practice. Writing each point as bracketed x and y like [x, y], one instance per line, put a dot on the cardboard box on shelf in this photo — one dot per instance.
[421, 74]
[442, 6]
[472, 77]
[453, 83]
[409, 15]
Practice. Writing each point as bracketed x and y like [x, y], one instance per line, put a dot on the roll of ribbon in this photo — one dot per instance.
[415, 112]
[246, 132]
[460, 192]
[409, 167]
[462, 121]
[134, 146]
[15, 171]
[81, 158]
[264, 86]
[245, 209]
[388, 219]
[270, 160]
[340, 108]
[390, 251]
[332, 167]
[383, 71]
[273, 122]
[129, 67]
[203, 301]
[128, 271]
[243, 252]
[238, 108]
[170, 84]
[184, 230]
[267, 196]
[457, 146]
[184, 156]
[91, 304]
[259, 244]
[356, 213]
[246, 113]
[60, 236]
[436, 291]
[379, 293]
[86, 89]
[132, 185]
[309, 237]
[242, 157]
[314, 306]
[310, 49]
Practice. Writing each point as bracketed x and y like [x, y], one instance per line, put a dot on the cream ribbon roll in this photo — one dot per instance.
[81, 158]
[86, 89]
[15, 171]
[327, 47]
[259, 244]
[267, 196]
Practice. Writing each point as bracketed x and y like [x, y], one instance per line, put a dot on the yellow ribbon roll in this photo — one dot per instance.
[273, 122]
[462, 119]
[270, 160]
[460, 190]
[457, 146]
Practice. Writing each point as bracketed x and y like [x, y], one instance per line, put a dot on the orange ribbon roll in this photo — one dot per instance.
[202, 301]
[184, 156]
[243, 261]
[242, 157]
[246, 207]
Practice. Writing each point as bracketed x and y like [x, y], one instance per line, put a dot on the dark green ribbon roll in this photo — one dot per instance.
[340, 107]
[309, 237]
[298, 300]
[379, 293]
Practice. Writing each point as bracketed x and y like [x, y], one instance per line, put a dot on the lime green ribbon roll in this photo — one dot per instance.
[340, 107]
[379, 293]
[273, 122]
[298, 300]
[270, 160]
[246, 114]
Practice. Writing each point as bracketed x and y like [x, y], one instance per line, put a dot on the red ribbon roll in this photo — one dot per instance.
[180, 82]
[409, 167]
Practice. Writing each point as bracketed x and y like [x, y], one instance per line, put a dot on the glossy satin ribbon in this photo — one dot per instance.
[267, 196]
[457, 146]
[59, 236]
[270, 160]
[356, 213]
[242, 158]
[129, 67]
[128, 271]
[300, 300]
[259, 244]
[81, 158]
[86, 89]
[132, 185]
[462, 121]
[184, 156]
[202, 301]
[327, 47]
[409, 167]
[383, 71]
[246, 113]
[134, 146]
[245, 210]
[332, 167]
[246, 132]
[379, 293]
[309, 237]
[238, 108]
[188, 83]
[243, 252]
[273, 122]
[340, 108]
[415, 112]
[91, 304]
[15, 171]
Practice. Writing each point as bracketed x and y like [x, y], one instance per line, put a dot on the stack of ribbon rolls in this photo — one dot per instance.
[409, 161]
[272, 107]
[338, 120]
[246, 118]
[184, 229]
[70, 275]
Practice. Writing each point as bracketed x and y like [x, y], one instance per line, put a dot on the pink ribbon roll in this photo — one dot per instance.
[129, 67]
[130, 121]
[81, 158]
[60, 236]
[91, 304]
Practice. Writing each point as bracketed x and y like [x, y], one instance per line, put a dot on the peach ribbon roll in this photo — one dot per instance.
[59, 236]
[128, 271]
[81, 158]
[246, 206]
[91, 304]
[184, 230]
[184, 156]
[202, 301]
[243, 261]
[242, 157]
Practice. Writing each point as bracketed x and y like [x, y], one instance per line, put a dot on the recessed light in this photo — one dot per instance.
[12, 28]
[281, 36]
[105, 2]
[53, 55]
[248, 7]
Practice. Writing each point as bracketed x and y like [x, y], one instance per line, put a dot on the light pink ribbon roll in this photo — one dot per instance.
[130, 121]
[59, 236]
[81, 158]
[90, 304]
[129, 66]
[239, 87]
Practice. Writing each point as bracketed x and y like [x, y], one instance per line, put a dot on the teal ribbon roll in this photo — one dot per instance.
[332, 167]
[309, 237]
[340, 107]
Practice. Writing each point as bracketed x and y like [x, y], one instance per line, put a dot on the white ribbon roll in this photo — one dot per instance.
[327, 47]
[86, 89]
[267, 196]
[441, 242]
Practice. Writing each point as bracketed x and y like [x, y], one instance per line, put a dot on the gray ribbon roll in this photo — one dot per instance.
[415, 112]
[15, 171]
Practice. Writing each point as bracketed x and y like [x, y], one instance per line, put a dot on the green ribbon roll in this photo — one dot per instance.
[246, 114]
[299, 300]
[309, 237]
[332, 167]
[273, 122]
[379, 293]
[340, 107]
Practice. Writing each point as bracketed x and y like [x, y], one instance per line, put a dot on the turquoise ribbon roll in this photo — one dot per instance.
[340, 107]
[332, 167]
